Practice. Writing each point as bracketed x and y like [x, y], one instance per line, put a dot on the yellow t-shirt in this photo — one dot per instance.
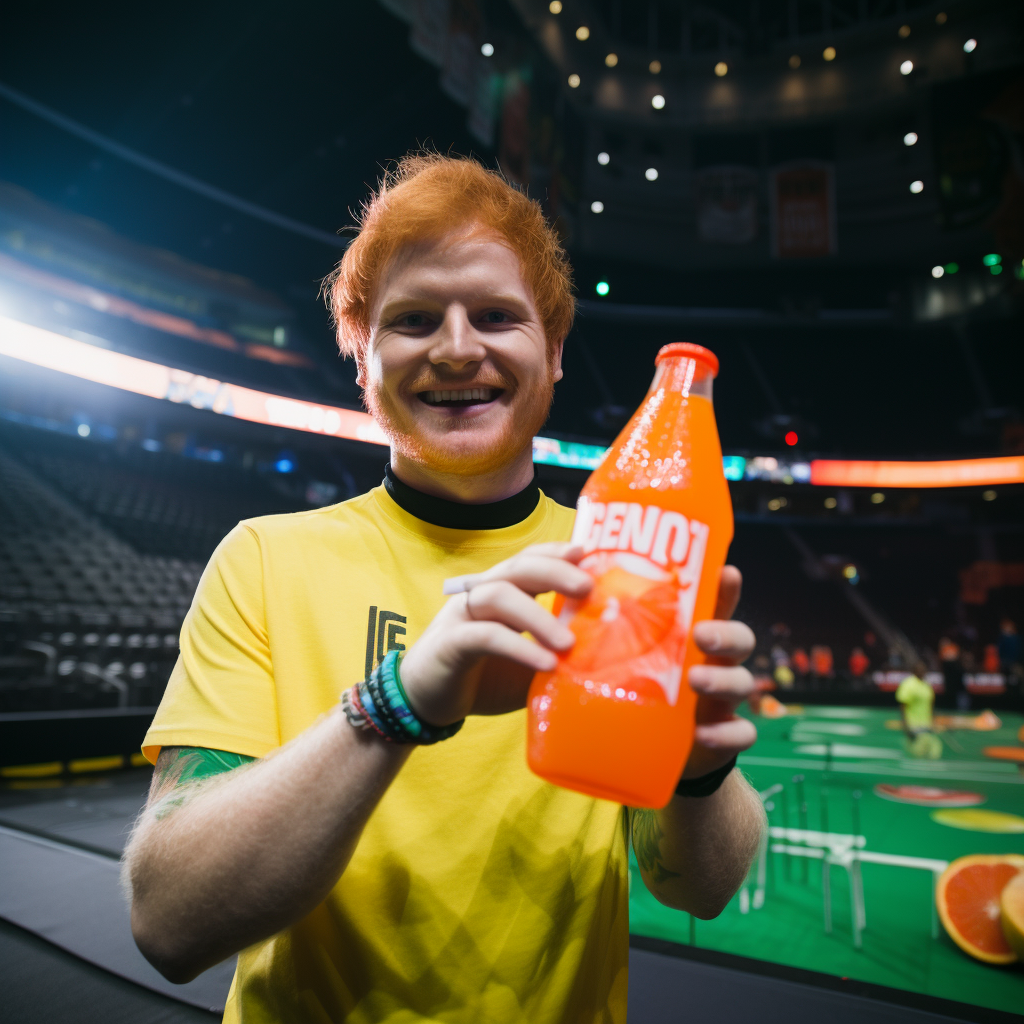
[478, 893]
[917, 697]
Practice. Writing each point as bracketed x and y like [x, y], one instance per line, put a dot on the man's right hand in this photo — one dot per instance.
[473, 658]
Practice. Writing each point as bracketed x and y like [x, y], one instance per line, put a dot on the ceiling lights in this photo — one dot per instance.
[611, 60]
[555, 7]
[794, 61]
[721, 69]
[583, 33]
[910, 139]
[906, 67]
[829, 53]
[574, 81]
[658, 102]
[651, 174]
[597, 206]
[654, 67]
[603, 159]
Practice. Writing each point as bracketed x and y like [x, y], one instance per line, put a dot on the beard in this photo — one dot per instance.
[452, 449]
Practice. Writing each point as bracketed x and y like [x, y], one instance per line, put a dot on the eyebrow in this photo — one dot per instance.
[400, 302]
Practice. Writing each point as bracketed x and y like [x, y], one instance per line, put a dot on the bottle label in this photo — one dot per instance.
[650, 548]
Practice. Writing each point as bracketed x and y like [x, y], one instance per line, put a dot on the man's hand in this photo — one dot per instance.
[480, 632]
[722, 684]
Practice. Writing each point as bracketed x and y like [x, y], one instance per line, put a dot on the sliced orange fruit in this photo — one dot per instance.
[967, 898]
[1011, 906]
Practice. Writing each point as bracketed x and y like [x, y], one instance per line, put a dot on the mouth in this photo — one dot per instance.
[463, 398]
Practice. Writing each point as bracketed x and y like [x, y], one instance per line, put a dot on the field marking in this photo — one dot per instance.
[910, 771]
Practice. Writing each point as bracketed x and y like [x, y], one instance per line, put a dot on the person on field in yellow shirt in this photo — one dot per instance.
[916, 699]
[388, 856]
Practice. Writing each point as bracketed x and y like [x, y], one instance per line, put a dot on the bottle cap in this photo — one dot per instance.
[690, 351]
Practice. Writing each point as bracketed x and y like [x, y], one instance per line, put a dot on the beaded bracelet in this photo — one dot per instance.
[380, 703]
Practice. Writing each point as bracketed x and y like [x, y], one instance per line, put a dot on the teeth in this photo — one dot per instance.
[469, 395]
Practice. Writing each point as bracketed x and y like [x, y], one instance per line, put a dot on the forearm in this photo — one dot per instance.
[695, 853]
[250, 853]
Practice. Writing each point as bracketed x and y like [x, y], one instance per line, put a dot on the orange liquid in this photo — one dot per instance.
[615, 719]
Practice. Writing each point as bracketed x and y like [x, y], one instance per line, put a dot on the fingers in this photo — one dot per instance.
[477, 639]
[729, 683]
[729, 586]
[504, 602]
[536, 570]
[731, 736]
[727, 641]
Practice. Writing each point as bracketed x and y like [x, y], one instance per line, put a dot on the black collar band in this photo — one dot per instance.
[454, 515]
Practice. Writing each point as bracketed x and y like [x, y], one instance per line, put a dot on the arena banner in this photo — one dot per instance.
[952, 473]
[803, 210]
[889, 680]
[726, 204]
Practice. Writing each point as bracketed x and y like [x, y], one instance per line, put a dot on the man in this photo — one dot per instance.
[367, 880]
[915, 698]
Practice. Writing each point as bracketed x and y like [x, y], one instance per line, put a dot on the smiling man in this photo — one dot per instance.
[388, 856]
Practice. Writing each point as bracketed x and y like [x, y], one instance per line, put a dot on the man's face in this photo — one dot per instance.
[457, 370]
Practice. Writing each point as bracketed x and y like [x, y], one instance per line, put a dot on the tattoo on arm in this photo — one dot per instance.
[180, 770]
[647, 835]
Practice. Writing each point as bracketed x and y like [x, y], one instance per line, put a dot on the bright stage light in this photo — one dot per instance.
[574, 81]
[910, 139]
[831, 503]
[970, 46]
[877, 498]
[602, 288]
[487, 50]
[829, 53]
[938, 271]
[791, 438]
[906, 67]
[916, 187]
[555, 7]
[992, 259]
[989, 496]
[850, 571]
[583, 33]
[597, 206]
[84, 430]
[658, 102]
[611, 60]
[651, 174]
[721, 69]
[1007, 469]
[603, 159]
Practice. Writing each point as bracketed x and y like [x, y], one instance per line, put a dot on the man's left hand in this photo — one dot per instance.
[722, 684]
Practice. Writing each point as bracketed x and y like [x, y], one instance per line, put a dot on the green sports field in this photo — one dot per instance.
[840, 751]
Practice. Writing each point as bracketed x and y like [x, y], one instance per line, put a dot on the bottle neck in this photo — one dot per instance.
[683, 376]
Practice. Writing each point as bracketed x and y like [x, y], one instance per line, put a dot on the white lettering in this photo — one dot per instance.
[638, 528]
[671, 523]
[612, 523]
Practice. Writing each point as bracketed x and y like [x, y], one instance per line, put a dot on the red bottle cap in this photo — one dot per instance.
[690, 351]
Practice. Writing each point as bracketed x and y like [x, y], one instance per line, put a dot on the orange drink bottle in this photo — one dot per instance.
[615, 719]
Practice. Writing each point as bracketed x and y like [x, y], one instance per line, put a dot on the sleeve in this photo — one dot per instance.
[221, 692]
[904, 692]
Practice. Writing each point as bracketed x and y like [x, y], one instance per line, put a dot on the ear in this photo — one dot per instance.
[555, 359]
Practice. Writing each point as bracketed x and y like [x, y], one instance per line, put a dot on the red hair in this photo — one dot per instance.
[427, 196]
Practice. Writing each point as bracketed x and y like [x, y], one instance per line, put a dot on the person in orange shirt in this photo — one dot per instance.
[858, 663]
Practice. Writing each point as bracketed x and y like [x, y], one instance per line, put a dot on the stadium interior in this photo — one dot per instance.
[173, 187]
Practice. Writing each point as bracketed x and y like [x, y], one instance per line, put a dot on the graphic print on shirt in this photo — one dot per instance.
[382, 630]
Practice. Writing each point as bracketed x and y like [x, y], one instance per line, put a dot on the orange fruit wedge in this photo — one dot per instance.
[968, 901]
[1011, 905]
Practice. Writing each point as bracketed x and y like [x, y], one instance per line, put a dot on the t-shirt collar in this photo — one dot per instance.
[455, 515]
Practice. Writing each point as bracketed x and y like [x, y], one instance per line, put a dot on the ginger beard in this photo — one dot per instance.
[454, 449]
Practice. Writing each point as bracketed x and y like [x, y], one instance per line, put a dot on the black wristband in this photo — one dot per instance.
[706, 784]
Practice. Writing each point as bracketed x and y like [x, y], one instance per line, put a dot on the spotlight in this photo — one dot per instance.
[916, 187]
[849, 571]
[555, 7]
[721, 69]
[904, 31]
[940, 18]
[877, 498]
[574, 81]
[658, 102]
[988, 496]
[84, 430]
[791, 438]
[651, 174]
[654, 67]
[970, 46]
[603, 159]
[831, 503]
[994, 271]
[602, 288]
[284, 465]
[906, 67]
[829, 53]
[487, 50]
[951, 268]
[937, 272]
[597, 206]
[583, 33]
[993, 259]
[910, 139]
[611, 60]
[794, 61]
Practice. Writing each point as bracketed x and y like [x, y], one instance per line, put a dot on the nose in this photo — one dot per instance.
[456, 343]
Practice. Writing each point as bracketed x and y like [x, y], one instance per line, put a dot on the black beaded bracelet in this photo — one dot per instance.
[705, 785]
